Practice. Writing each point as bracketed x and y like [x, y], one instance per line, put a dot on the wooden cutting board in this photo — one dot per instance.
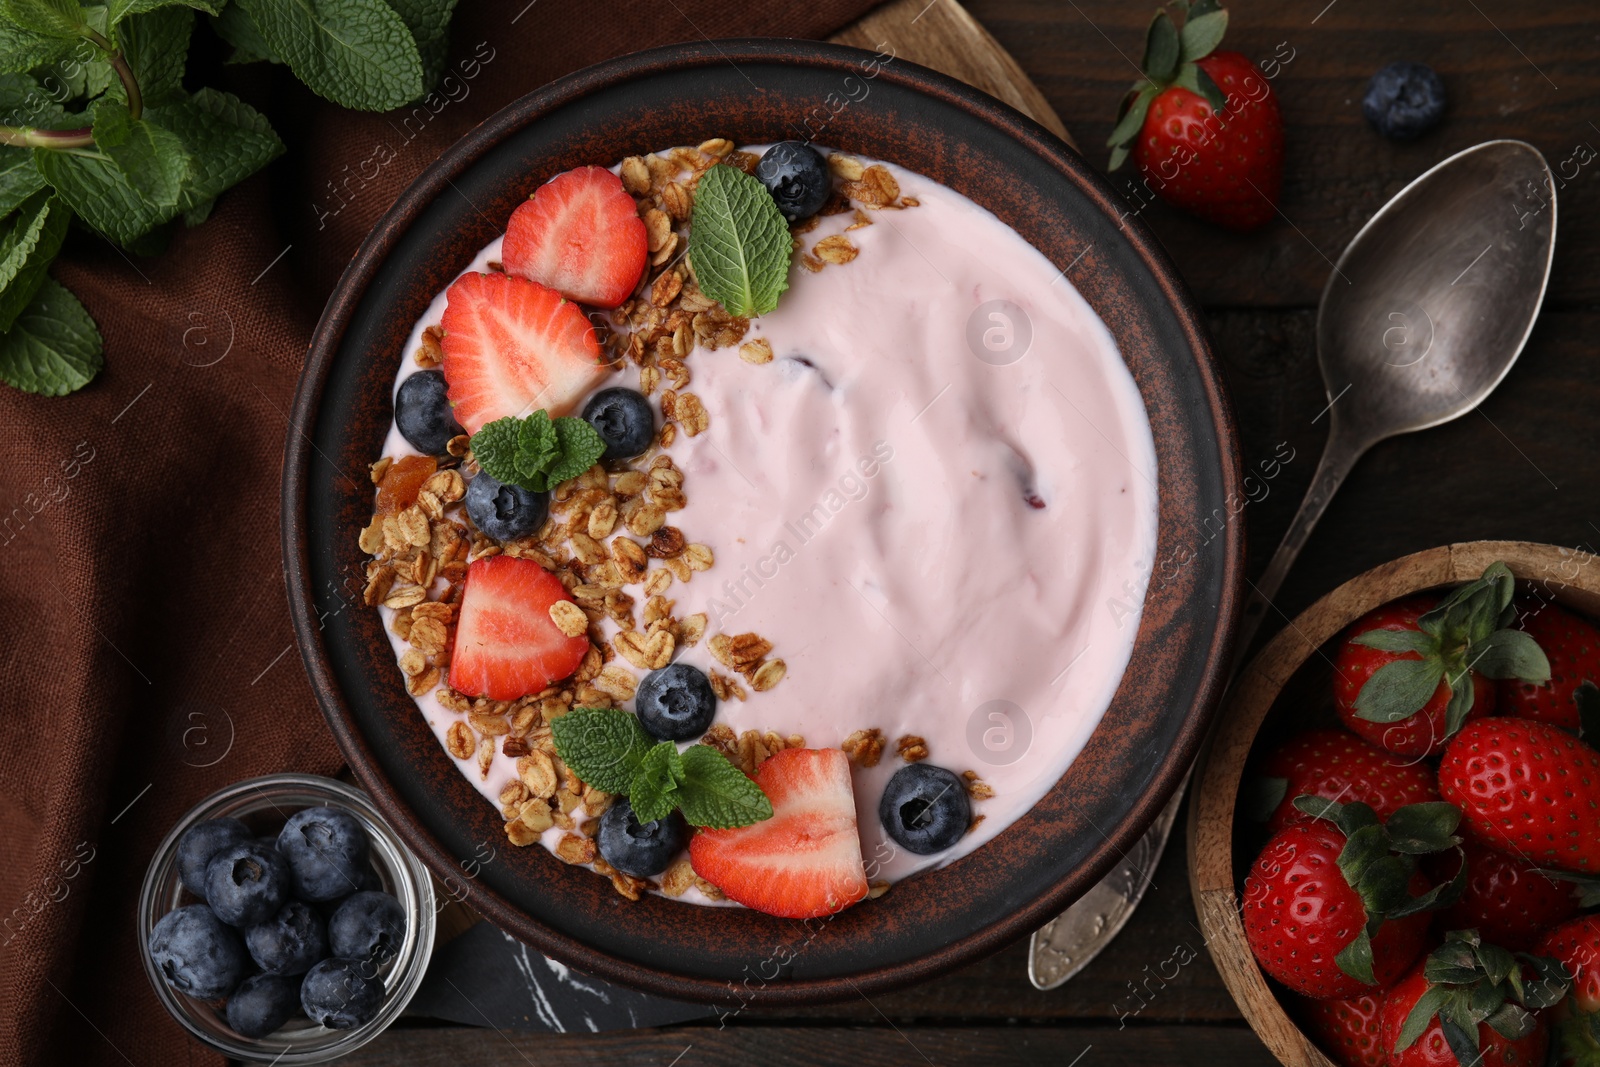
[942, 35]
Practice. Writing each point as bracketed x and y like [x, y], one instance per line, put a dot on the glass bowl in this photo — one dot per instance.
[264, 804]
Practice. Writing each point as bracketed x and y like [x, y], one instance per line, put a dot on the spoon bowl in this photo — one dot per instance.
[1432, 301]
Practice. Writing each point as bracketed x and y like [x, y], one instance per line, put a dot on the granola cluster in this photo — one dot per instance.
[608, 537]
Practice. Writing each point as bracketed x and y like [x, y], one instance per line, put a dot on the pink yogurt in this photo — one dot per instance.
[938, 502]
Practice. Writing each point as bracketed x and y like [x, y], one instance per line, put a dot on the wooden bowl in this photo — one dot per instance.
[1290, 666]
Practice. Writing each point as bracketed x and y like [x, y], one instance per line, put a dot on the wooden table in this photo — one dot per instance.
[1524, 468]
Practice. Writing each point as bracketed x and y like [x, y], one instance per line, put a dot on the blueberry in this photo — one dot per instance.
[197, 953]
[202, 841]
[925, 809]
[336, 994]
[289, 942]
[327, 852]
[422, 412]
[1404, 101]
[675, 703]
[367, 926]
[505, 512]
[797, 177]
[247, 884]
[624, 420]
[641, 851]
[263, 1004]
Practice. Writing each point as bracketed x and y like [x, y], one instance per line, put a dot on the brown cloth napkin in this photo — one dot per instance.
[143, 623]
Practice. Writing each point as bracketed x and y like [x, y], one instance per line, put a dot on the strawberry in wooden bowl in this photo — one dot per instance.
[1395, 846]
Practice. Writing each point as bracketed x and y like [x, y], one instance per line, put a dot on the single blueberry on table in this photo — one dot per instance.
[247, 884]
[640, 850]
[1404, 100]
[327, 852]
[197, 953]
[505, 512]
[422, 412]
[338, 995]
[289, 942]
[925, 808]
[202, 841]
[675, 703]
[367, 926]
[624, 420]
[263, 1004]
[797, 177]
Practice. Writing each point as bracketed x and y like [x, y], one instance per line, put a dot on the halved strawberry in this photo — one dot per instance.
[507, 646]
[581, 235]
[512, 346]
[803, 862]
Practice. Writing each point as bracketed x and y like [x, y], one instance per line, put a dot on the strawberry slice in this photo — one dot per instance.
[507, 646]
[581, 235]
[803, 862]
[512, 346]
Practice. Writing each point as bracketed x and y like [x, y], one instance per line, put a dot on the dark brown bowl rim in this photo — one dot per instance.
[434, 182]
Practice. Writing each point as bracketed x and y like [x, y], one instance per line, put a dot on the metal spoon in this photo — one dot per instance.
[1424, 314]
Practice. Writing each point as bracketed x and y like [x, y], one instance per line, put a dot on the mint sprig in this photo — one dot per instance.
[538, 452]
[1467, 633]
[739, 243]
[93, 110]
[608, 749]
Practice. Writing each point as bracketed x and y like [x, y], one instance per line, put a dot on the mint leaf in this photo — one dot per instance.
[117, 10]
[99, 191]
[156, 46]
[227, 141]
[22, 49]
[495, 449]
[739, 244]
[53, 18]
[537, 453]
[653, 793]
[53, 348]
[715, 793]
[19, 178]
[153, 159]
[235, 27]
[580, 447]
[603, 746]
[429, 23]
[537, 449]
[357, 53]
[27, 248]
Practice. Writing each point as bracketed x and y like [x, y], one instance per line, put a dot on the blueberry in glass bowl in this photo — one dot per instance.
[239, 989]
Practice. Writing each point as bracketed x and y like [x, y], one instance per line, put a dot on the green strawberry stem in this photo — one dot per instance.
[1469, 632]
[1379, 860]
[1471, 982]
[1170, 53]
[83, 137]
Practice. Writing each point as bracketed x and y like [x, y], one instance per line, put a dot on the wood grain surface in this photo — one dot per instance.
[1523, 468]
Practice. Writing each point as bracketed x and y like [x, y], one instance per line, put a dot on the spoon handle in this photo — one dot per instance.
[1338, 457]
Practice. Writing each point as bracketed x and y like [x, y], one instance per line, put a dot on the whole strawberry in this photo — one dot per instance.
[1349, 1031]
[1527, 788]
[1409, 674]
[1203, 126]
[1506, 899]
[1338, 766]
[1308, 926]
[1576, 945]
[1472, 1004]
[1573, 648]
